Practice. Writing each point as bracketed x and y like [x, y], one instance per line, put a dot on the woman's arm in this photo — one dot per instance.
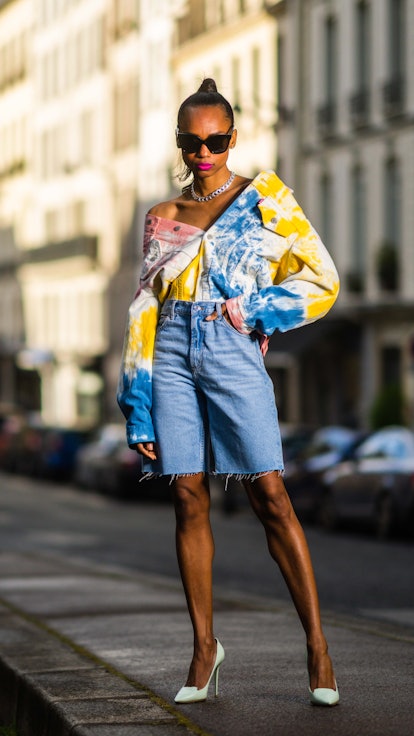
[306, 283]
[135, 381]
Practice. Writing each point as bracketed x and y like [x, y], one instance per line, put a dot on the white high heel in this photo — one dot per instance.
[324, 695]
[195, 695]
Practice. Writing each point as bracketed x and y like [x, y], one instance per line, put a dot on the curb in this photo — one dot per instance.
[52, 687]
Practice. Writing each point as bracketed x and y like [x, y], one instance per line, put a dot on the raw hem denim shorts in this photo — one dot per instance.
[214, 408]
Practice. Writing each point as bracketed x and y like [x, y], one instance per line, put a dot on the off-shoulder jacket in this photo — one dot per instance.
[261, 256]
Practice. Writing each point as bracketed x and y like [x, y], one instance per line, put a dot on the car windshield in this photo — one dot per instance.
[329, 439]
[392, 443]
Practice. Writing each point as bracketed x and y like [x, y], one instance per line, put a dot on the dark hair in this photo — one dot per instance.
[206, 95]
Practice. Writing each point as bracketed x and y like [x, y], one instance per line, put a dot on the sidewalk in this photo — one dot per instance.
[86, 651]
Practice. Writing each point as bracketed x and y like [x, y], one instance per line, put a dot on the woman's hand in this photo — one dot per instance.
[224, 312]
[147, 449]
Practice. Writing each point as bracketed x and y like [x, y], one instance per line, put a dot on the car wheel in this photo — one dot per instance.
[385, 517]
[327, 516]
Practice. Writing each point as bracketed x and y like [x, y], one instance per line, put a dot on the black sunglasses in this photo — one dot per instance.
[191, 143]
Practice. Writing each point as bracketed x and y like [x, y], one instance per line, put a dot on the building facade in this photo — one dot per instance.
[102, 82]
[346, 142]
[323, 91]
[75, 179]
[15, 103]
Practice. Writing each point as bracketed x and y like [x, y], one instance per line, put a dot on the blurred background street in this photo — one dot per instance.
[323, 93]
[356, 574]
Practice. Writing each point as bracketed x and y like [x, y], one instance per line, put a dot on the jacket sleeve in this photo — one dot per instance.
[135, 380]
[305, 281]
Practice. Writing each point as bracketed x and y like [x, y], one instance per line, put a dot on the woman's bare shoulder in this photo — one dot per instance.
[168, 210]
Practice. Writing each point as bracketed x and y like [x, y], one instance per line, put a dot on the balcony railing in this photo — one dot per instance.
[359, 108]
[84, 245]
[393, 94]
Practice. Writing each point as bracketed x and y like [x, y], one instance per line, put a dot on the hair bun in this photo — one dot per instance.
[208, 85]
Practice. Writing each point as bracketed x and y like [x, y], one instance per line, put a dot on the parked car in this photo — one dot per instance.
[106, 464]
[28, 447]
[20, 444]
[92, 459]
[374, 484]
[304, 471]
[59, 449]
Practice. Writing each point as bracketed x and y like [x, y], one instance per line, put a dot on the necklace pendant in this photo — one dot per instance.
[216, 192]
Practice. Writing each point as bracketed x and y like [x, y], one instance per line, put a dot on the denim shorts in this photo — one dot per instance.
[213, 406]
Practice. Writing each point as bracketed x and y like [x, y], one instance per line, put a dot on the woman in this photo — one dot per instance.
[226, 263]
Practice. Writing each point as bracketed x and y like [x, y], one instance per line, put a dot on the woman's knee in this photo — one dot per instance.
[191, 497]
[270, 499]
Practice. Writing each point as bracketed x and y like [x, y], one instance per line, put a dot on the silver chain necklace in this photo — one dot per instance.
[216, 191]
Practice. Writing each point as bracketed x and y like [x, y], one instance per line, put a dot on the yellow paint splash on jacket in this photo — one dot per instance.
[322, 304]
[184, 287]
[140, 338]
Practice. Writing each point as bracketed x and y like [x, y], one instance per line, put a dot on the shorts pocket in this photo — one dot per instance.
[222, 320]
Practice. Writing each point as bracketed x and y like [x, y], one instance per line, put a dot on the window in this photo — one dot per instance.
[100, 30]
[396, 28]
[280, 60]
[359, 231]
[394, 87]
[235, 81]
[126, 115]
[326, 208]
[256, 82]
[360, 99]
[363, 41]
[392, 202]
[331, 46]
[86, 135]
[44, 145]
[388, 255]
[214, 14]
[327, 111]
[51, 225]
[391, 365]
[126, 16]
[79, 212]
[55, 71]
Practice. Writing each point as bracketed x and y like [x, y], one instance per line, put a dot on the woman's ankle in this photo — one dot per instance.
[317, 645]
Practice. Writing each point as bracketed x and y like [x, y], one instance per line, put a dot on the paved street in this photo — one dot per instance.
[95, 638]
[356, 573]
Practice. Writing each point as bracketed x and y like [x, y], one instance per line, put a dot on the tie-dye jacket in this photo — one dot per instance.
[261, 256]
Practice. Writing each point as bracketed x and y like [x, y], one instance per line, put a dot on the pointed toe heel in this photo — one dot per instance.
[324, 696]
[197, 695]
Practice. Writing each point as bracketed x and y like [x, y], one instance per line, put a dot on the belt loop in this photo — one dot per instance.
[167, 308]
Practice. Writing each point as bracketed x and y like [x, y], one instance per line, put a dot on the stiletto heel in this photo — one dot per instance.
[216, 681]
[195, 695]
[324, 695]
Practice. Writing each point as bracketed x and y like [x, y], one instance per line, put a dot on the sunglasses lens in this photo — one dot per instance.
[218, 143]
[189, 143]
[192, 143]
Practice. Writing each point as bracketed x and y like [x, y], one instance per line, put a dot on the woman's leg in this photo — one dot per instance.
[195, 552]
[288, 547]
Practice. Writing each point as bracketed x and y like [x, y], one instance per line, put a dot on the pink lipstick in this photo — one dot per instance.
[204, 167]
